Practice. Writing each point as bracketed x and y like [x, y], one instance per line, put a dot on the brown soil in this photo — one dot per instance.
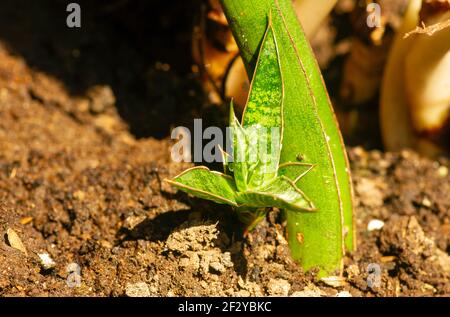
[84, 124]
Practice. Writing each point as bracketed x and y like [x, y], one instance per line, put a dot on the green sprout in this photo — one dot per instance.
[253, 180]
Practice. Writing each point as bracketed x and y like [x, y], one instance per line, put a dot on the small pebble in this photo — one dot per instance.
[375, 224]
[278, 287]
[139, 289]
[426, 202]
[47, 262]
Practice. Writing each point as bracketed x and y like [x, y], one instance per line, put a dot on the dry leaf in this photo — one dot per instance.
[15, 241]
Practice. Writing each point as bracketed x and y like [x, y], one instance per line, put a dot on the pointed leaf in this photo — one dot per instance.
[206, 184]
[281, 193]
[262, 118]
[239, 166]
[225, 160]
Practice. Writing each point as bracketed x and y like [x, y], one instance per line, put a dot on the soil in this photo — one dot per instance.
[85, 147]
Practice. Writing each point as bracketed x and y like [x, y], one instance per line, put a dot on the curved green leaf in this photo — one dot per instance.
[206, 184]
[281, 193]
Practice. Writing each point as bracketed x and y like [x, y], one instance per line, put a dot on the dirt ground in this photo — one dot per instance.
[84, 147]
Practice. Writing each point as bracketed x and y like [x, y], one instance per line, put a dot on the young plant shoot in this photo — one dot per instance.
[287, 93]
[310, 133]
[254, 180]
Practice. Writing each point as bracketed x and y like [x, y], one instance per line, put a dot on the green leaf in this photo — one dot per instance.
[263, 115]
[280, 192]
[256, 151]
[264, 151]
[225, 160]
[240, 164]
[206, 184]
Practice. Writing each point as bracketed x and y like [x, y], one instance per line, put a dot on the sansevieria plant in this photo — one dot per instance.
[287, 150]
[253, 180]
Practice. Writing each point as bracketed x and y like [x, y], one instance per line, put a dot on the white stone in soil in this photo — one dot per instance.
[375, 224]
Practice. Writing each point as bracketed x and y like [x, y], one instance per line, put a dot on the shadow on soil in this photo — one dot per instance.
[141, 49]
